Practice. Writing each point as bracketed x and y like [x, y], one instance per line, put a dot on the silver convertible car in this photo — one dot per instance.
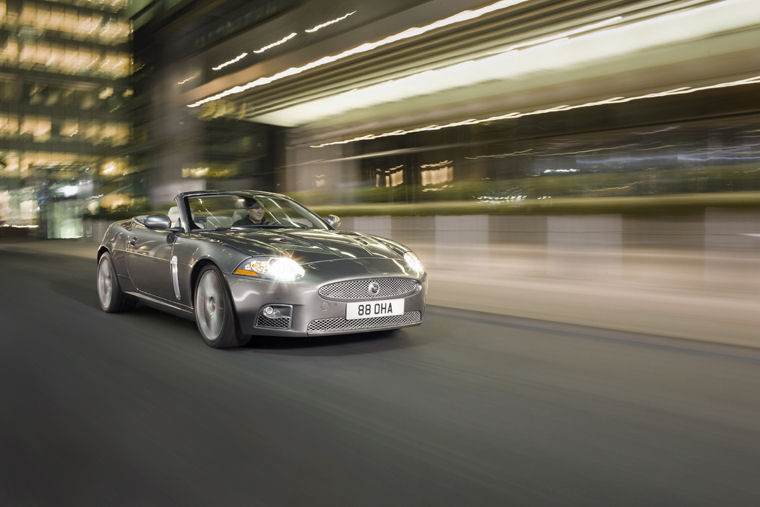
[257, 263]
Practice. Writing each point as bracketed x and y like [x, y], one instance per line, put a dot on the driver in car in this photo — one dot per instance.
[254, 216]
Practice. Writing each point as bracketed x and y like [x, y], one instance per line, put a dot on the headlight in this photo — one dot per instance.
[413, 263]
[282, 269]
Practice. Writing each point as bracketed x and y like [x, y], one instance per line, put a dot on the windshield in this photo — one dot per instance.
[249, 211]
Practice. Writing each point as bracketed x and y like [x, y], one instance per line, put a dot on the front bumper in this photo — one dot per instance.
[310, 312]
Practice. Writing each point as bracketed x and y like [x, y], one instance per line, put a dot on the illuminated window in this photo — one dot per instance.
[90, 131]
[74, 24]
[392, 177]
[88, 101]
[438, 173]
[11, 163]
[30, 160]
[36, 127]
[9, 52]
[70, 60]
[396, 178]
[8, 126]
[116, 134]
[55, 21]
[69, 128]
[70, 20]
[114, 167]
[209, 171]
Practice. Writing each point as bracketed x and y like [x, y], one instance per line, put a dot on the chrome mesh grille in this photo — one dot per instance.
[341, 324]
[357, 290]
[281, 323]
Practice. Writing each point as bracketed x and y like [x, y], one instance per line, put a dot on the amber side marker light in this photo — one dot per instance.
[245, 272]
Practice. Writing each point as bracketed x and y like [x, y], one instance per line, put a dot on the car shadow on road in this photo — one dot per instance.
[337, 345]
[345, 344]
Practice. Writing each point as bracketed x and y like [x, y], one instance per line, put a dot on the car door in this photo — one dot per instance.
[149, 258]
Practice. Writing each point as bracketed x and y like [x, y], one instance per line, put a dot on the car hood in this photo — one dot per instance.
[310, 246]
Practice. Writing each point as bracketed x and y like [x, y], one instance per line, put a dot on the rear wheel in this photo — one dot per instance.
[112, 299]
[214, 314]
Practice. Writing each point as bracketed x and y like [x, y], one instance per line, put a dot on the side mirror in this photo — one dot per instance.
[158, 222]
[333, 221]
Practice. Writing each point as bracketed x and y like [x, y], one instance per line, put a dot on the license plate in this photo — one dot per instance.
[369, 309]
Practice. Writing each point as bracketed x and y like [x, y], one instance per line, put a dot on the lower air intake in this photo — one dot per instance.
[281, 323]
[340, 324]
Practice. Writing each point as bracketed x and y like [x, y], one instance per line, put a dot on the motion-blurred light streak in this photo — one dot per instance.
[328, 23]
[583, 152]
[513, 115]
[503, 155]
[230, 62]
[187, 79]
[607, 39]
[362, 48]
[275, 44]
[559, 37]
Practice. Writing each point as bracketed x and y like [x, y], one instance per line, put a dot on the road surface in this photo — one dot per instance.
[467, 409]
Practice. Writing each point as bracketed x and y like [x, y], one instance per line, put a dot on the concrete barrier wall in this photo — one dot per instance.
[717, 249]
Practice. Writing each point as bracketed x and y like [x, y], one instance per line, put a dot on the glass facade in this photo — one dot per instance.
[693, 144]
[64, 124]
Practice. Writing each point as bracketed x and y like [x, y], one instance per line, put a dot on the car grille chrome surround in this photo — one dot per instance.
[364, 289]
[318, 326]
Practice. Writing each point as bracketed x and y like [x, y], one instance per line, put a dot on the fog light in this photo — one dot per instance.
[275, 316]
[277, 311]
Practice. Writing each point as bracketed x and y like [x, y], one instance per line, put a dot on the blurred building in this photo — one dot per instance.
[187, 49]
[406, 100]
[175, 149]
[64, 130]
[356, 101]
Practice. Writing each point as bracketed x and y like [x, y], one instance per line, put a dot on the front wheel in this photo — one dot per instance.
[214, 314]
[112, 299]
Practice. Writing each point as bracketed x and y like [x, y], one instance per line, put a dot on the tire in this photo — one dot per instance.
[110, 296]
[214, 314]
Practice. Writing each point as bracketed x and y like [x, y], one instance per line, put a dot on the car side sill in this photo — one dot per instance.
[180, 311]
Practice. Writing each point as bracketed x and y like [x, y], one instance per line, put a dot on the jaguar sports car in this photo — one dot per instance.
[249, 263]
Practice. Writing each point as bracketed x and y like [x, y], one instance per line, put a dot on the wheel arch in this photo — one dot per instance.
[101, 251]
[195, 273]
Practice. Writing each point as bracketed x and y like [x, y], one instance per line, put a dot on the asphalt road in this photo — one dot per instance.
[468, 409]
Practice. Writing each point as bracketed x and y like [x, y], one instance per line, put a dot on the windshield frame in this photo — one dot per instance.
[282, 212]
